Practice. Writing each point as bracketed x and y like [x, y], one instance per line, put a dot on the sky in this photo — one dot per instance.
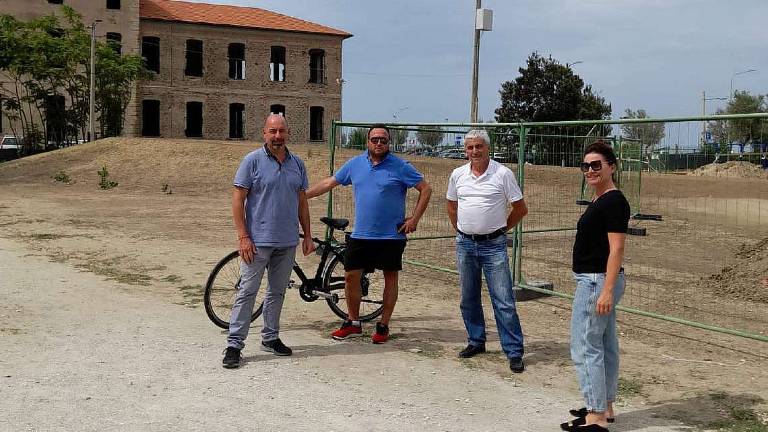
[411, 60]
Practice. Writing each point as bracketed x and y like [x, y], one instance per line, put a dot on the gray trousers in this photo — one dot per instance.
[278, 262]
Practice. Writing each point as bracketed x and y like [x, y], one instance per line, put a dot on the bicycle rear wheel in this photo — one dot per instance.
[371, 284]
[221, 289]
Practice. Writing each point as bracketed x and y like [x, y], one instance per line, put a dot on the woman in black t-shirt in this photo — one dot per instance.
[597, 256]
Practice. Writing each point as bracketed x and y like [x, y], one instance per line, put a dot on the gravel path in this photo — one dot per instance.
[83, 354]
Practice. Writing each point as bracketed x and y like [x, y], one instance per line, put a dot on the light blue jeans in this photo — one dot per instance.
[594, 342]
[278, 262]
[489, 257]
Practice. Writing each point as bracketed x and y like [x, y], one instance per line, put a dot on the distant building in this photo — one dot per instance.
[218, 70]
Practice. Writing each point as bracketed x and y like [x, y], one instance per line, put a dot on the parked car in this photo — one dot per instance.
[10, 147]
[501, 157]
[453, 154]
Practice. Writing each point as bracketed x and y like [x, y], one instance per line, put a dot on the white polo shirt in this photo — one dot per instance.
[483, 200]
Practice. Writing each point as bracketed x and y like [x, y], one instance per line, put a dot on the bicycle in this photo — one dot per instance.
[328, 283]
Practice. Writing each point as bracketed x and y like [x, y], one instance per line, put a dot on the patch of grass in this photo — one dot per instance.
[740, 420]
[109, 269]
[172, 278]
[62, 176]
[104, 181]
[46, 236]
[193, 294]
[630, 387]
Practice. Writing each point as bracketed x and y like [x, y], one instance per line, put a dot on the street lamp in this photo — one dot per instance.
[483, 22]
[704, 100]
[730, 95]
[568, 65]
[399, 110]
[92, 86]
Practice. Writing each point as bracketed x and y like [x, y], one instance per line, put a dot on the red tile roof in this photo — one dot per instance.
[203, 13]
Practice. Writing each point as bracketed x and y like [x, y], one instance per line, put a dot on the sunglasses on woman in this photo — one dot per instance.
[595, 165]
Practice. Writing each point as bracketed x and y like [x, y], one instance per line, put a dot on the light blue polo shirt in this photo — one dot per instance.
[272, 204]
[379, 194]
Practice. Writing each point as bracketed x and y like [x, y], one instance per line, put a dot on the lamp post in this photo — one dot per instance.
[704, 100]
[730, 98]
[730, 95]
[568, 65]
[483, 22]
[92, 86]
[399, 110]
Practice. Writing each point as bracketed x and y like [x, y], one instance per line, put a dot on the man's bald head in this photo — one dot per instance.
[276, 133]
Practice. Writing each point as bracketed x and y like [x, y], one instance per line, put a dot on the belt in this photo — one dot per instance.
[481, 237]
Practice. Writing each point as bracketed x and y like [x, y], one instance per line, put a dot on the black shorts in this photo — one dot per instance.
[364, 254]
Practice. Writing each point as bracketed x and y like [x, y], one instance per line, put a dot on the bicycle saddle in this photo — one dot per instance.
[338, 224]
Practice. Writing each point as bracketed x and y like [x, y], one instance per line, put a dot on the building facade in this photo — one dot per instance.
[217, 71]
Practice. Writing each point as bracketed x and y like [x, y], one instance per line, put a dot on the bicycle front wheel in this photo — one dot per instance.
[221, 290]
[371, 285]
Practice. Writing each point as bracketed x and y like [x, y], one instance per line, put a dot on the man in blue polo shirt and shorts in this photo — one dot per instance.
[380, 181]
[268, 203]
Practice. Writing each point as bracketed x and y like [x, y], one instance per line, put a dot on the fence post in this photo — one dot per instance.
[331, 161]
[517, 255]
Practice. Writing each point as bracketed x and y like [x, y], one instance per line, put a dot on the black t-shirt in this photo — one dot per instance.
[608, 213]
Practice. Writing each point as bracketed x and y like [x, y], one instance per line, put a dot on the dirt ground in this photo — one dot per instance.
[139, 244]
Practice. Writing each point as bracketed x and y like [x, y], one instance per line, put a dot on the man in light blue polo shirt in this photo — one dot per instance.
[380, 181]
[268, 203]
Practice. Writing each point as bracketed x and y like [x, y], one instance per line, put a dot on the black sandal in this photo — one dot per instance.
[568, 426]
[589, 428]
[582, 412]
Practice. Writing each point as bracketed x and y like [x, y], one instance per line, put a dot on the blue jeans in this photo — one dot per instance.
[278, 262]
[594, 342]
[489, 257]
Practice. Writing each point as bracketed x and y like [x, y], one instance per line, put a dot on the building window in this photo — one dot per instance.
[150, 118]
[113, 4]
[194, 120]
[150, 50]
[115, 40]
[194, 58]
[277, 64]
[316, 123]
[317, 66]
[277, 109]
[236, 120]
[236, 54]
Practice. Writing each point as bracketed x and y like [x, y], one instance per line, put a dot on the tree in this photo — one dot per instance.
[47, 61]
[649, 135]
[358, 138]
[741, 131]
[430, 137]
[548, 91]
[397, 138]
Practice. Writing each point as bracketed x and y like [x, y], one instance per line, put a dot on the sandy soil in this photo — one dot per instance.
[88, 272]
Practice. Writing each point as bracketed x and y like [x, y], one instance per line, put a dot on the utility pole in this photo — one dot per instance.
[475, 67]
[92, 86]
[704, 100]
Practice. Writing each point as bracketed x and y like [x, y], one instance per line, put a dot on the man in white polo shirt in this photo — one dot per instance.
[478, 194]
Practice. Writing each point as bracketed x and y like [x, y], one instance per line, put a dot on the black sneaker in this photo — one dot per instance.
[516, 364]
[276, 347]
[232, 358]
[472, 350]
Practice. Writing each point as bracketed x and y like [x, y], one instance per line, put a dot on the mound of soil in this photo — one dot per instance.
[738, 169]
[747, 280]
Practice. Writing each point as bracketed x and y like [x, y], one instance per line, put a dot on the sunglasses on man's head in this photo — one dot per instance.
[377, 140]
[595, 165]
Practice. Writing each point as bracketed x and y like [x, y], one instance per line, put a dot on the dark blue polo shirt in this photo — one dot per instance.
[379, 194]
[272, 204]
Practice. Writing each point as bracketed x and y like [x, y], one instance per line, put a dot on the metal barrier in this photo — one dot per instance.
[694, 239]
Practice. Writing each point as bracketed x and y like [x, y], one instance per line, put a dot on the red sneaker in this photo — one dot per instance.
[347, 330]
[381, 334]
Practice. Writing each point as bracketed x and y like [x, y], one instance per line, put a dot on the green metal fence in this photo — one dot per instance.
[695, 238]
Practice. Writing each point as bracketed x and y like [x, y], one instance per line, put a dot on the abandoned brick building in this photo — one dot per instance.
[217, 70]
